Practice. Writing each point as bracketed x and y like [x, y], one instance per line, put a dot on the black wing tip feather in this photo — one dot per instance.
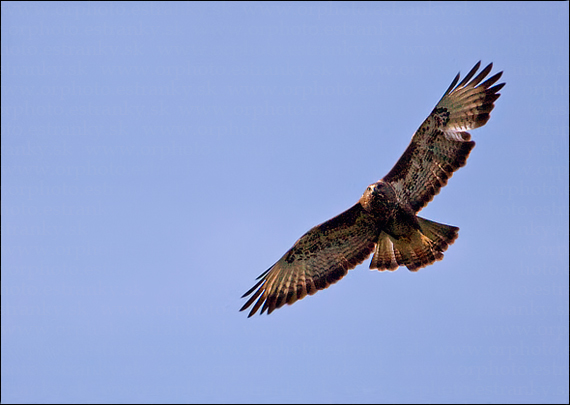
[452, 85]
[492, 80]
[259, 286]
[268, 302]
[251, 289]
[469, 75]
[469, 82]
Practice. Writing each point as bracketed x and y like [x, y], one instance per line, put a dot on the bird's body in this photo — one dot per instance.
[394, 215]
[384, 221]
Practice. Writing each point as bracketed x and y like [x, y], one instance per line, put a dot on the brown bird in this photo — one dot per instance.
[384, 220]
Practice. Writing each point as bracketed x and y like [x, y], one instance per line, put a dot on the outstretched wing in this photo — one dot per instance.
[318, 259]
[441, 145]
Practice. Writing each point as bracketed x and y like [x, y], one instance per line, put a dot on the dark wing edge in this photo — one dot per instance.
[441, 145]
[321, 257]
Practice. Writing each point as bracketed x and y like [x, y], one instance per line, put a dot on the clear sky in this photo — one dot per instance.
[157, 157]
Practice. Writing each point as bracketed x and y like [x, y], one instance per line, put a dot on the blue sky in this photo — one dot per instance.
[157, 157]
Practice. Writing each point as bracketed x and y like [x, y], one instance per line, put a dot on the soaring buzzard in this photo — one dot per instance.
[384, 220]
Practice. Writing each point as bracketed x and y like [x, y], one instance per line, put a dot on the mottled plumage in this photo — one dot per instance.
[384, 220]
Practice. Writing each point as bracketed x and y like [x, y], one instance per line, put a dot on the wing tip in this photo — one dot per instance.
[468, 80]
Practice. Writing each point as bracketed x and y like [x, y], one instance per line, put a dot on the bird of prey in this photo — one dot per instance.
[384, 220]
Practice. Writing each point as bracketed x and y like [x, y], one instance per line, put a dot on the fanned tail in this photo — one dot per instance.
[418, 249]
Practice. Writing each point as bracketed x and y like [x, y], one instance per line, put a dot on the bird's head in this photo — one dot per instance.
[379, 199]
